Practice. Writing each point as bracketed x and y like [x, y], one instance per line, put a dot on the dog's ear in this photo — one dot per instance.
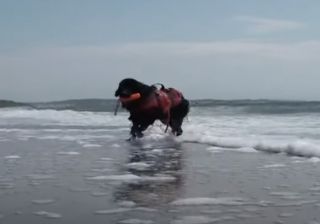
[122, 92]
[144, 89]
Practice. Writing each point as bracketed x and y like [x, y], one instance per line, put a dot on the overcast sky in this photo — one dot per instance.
[248, 49]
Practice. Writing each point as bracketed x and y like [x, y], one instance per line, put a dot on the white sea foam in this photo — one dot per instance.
[12, 157]
[291, 134]
[285, 215]
[91, 146]
[314, 160]
[199, 220]
[126, 203]
[135, 221]
[62, 118]
[296, 203]
[42, 201]
[290, 146]
[48, 214]
[73, 137]
[138, 165]
[99, 194]
[222, 149]
[238, 138]
[131, 177]
[40, 177]
[291, 197]
[69, 153]
[113, 211]
[211, 211]
[157, 151]
[123, 210]
[212, 201]
[143, 209]
[284, 193]
[276, 165]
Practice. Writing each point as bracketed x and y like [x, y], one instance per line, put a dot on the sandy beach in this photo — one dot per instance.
[56, 181]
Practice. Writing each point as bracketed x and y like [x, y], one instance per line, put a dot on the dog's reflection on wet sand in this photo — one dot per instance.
[153, 162]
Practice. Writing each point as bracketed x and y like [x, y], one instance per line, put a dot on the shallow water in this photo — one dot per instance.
[52, 171]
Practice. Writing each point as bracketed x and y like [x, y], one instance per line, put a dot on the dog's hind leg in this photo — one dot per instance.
[182, 112]
[175, 125]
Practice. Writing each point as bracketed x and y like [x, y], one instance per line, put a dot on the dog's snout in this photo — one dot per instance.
[116, 94]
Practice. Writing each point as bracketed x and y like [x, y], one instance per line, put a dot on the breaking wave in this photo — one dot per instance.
[294, 134]
[218, 106]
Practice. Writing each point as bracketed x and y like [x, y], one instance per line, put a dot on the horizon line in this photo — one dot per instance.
[200, 99]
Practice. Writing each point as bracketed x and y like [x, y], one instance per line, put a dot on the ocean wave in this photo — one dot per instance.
[18, 116]
[293, 135]
[217, 106]
[292, 146]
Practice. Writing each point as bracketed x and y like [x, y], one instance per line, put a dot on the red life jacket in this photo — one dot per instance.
[163, 99]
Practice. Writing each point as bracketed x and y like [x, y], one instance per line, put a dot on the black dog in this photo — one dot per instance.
[147, 109]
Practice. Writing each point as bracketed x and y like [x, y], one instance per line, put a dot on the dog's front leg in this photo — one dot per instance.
[135, 131]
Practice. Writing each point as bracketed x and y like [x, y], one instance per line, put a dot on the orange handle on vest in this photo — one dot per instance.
[133, 97]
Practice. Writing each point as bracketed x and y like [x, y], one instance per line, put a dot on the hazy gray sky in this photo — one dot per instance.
[55, 50]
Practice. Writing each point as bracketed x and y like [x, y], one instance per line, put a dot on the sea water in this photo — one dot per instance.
[232, 164]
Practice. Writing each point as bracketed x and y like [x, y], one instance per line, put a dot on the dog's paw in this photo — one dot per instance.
[129, 139]
[178, 132]
[136, 132]
[139, 135]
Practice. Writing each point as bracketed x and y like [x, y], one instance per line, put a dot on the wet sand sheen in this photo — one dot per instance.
[44, 181]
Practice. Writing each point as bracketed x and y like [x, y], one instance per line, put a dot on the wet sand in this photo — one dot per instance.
[52, 181]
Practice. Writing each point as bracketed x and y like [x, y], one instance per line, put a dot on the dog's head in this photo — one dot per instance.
[130, 86]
